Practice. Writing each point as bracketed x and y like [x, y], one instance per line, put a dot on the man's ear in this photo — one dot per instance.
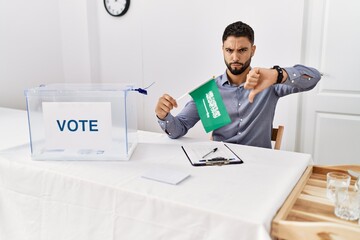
[253, 49]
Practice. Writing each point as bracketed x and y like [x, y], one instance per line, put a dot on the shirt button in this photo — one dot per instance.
[241, 120]
[167, 121]
[239, 133]
[309, 79]
[292, 81]
[294, 74]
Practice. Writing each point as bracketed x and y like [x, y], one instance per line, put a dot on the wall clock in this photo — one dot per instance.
[117, 8]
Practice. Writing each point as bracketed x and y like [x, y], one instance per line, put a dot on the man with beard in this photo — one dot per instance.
[249, 94]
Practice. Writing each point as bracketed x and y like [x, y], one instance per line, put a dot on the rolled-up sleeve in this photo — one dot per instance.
[178, 126]
[166, 123]
[302, 78]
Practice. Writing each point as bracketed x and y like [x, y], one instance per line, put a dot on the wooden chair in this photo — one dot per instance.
[276, 136]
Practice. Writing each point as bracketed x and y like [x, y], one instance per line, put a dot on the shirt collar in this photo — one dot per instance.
[225, 81]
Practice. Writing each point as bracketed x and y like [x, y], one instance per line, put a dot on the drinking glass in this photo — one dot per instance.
[357, 184]
[337, 182]
[348, 207]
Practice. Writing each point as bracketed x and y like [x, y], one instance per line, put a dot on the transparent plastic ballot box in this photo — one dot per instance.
[82, 121]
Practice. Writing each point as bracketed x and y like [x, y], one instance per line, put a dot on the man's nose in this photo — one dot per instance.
[235, 56]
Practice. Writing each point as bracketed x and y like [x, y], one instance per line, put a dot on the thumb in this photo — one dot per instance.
[175, 103]
[252, 95]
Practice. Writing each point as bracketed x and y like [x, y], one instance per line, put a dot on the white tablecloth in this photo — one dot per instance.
[85, 200]
[13, 128]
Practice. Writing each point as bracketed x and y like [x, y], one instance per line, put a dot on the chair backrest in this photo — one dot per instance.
[276, 136]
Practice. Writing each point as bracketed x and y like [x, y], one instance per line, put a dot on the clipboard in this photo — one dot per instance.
[210, 155]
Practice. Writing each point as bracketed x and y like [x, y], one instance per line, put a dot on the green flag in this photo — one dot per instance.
[210, 106]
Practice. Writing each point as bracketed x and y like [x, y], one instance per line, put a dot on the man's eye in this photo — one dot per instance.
[229, 50]
[242, 50]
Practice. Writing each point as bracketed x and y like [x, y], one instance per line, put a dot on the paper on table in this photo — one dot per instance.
[165, 175]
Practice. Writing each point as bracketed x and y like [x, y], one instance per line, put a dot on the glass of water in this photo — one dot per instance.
[337, 182]
[348, 207]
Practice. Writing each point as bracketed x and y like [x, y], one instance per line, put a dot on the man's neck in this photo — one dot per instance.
[237, 79]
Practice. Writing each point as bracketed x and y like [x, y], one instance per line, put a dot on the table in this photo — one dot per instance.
[90, 200]
[13, 128]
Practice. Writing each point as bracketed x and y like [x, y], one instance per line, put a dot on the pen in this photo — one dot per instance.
[212, 151]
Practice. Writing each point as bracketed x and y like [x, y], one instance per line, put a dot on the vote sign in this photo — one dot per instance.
[77, 125]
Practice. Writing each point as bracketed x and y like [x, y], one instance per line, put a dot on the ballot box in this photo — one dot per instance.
[82, 121]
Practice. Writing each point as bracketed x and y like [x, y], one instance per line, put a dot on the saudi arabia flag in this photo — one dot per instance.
[210, 106]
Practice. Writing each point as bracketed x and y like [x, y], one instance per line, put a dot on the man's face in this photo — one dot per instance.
[237, 54]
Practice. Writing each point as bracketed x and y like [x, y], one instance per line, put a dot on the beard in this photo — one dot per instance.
[238, 71]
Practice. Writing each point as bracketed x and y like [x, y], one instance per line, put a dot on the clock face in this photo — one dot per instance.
[116, 8]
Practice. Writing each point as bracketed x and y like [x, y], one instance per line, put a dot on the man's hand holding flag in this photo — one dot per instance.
[208, 101]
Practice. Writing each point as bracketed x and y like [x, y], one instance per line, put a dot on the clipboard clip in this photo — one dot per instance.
[217, 162]
[216, 159]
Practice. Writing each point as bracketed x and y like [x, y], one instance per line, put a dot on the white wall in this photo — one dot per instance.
[30, 48]
[176, 44]
[75, 25]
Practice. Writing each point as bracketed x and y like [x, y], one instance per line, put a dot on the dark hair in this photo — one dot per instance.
[239, 29]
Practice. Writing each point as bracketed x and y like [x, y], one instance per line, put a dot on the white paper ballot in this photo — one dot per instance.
[165, 175]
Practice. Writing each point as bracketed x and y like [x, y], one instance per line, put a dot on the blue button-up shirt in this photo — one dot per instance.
[251, 123]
